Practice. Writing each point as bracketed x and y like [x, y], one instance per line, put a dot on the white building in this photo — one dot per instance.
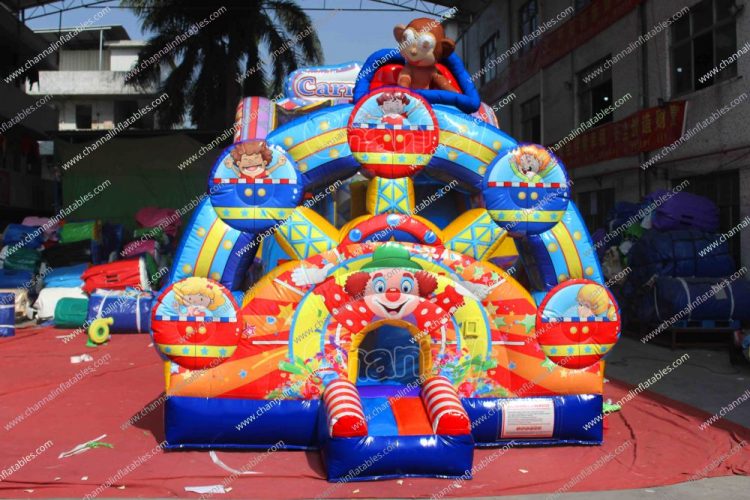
[27, 184]
[89, 87]
[644, 55]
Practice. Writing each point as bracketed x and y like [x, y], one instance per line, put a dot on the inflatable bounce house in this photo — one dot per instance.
[388, 341]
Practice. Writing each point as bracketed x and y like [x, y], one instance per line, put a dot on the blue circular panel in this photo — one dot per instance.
[253, 186]
[527, 190]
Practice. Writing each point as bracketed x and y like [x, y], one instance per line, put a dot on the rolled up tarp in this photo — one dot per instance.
[716, 299]
[72, 232]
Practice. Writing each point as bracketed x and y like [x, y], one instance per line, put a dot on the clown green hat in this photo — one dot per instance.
[391, 256]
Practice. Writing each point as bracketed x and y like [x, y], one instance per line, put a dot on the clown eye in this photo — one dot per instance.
[407, 285]
[427, 41]
[378, 284]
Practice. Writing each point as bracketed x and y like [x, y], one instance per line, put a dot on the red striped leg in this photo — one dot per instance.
[346, 418]
[447, 414]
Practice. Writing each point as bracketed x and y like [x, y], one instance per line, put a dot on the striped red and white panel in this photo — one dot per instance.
[346, 418]
[234, 180]
[447, 414]
[255, 118]
[556, 185]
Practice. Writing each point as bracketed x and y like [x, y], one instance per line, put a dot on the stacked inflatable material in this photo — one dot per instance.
[117, 275]
[70, 254]
[7, 314]
[726, 300]
[391, 336]
[678, 254]
[69, 276]
[22, 235]
[685, 210]
[48, 298]
[680, 267]
[129, 309]
[697, 299]
[10, 278]
[71, 312]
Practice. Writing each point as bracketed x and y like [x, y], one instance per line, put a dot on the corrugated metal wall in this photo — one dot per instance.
[83, 60]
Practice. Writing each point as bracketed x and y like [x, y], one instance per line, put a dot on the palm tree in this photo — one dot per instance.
[224, 60]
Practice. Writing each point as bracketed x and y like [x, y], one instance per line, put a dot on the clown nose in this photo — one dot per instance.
[392, 294]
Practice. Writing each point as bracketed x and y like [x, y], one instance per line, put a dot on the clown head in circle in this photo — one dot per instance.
[391, 284]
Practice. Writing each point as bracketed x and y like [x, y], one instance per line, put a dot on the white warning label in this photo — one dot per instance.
[528, 418]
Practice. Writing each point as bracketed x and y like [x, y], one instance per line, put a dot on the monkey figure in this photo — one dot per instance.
[423, 43]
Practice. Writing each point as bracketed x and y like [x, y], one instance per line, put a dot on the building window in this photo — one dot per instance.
[595, 206]
[700, 42]
[531, 121]
[528, 16]
[488, 53]
[579, 5]
[595, 92]
[83, 116]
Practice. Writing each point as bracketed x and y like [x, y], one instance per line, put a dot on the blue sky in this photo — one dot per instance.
[345, 36]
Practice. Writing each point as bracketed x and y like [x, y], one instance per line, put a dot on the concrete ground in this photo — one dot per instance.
[735, 487]
[706, 380]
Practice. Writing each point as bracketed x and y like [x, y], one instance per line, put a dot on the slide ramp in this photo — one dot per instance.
[385, 431]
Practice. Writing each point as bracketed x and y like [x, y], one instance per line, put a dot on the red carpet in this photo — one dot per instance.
[665, 447]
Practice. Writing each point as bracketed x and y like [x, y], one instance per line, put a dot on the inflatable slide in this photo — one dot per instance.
[392, 345]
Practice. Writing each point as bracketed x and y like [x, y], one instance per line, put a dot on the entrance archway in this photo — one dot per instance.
[379, 362]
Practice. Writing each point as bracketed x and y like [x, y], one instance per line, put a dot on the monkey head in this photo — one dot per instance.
[391, 293]
[423, 42]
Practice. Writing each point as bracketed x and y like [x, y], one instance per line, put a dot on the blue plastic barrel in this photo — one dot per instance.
[7, 314]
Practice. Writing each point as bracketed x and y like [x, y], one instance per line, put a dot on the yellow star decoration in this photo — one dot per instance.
[492, 308]
[285, 313]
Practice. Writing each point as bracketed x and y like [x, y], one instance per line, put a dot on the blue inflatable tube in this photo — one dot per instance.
[577, 420]
[370, 458]
[131, 311]
[227, 265]
[285, 424]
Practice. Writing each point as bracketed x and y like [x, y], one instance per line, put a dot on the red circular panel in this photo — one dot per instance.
[393, 132]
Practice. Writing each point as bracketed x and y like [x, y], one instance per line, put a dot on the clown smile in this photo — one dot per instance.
[392, 310]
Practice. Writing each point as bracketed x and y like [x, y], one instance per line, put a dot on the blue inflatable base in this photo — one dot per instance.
[231, 423]
[234, 424]
[388, 457]
[571, 416]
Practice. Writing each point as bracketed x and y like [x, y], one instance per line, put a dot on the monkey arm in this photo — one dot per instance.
[442, 83]
[404, 78]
